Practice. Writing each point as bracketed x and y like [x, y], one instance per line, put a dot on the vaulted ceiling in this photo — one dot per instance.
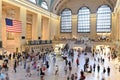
[58, 5]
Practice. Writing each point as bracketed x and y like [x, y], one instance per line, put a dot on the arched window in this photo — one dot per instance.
[104, 19]
[66, 22]
[33, 1]
[83, 20]
[44, 5]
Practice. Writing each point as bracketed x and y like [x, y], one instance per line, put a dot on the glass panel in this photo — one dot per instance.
[33, 1]
[84, 20]
[66, 24]
[44, 5]
[104, 19]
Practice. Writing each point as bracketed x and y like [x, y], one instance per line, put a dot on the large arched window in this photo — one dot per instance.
[104, 19]
[66, 22]
[44, 5]
[83, 20]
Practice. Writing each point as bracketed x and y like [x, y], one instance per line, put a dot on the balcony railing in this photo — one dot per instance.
[39, 42]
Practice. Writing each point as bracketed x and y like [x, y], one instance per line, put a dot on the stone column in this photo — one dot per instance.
[23, 19]
[114, 27]
[74, 26]
[38, 24]
[119, 26]
[93, 26]
[1, 40]
[1, 20]
[34, 27]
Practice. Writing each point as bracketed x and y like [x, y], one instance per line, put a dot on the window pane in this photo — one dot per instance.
[104, 19]
[44, 5]
[66, 24]
[84, 20]
[33, 1]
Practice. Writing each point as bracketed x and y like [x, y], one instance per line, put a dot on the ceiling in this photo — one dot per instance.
[58, 5]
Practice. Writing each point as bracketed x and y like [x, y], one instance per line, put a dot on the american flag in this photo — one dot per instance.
[13, 25]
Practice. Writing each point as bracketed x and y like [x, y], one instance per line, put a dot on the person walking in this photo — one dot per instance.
[68, 78]
[54, 60]
[90, 69]
[77, 61]
[94, 65]
[72, 77]
[15, 65]
[76, 76]
[70, 69]
[56, 70]
[108, 70]
[82, 76]
[98, 68]
[47, 64]
[28, 71]
[65, 69]
[104, 70]
[0, 68]
[7, 77]
[103, 60]
[41, 72]
[66, 61]
[69, 63]
[25, 62]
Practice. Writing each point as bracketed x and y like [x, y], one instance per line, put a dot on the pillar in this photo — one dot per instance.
[23, 19]
[93, 26]
[74, 26]
[1, 20]
[38, 24]
[0, 23]
[119, 26]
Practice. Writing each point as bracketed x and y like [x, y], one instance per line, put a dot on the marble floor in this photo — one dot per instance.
[50, 72]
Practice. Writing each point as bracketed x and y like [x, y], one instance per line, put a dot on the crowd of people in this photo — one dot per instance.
[98, 63]
[33, 60]
[41, 61]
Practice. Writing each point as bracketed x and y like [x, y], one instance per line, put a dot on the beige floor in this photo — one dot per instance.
[114, 74]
